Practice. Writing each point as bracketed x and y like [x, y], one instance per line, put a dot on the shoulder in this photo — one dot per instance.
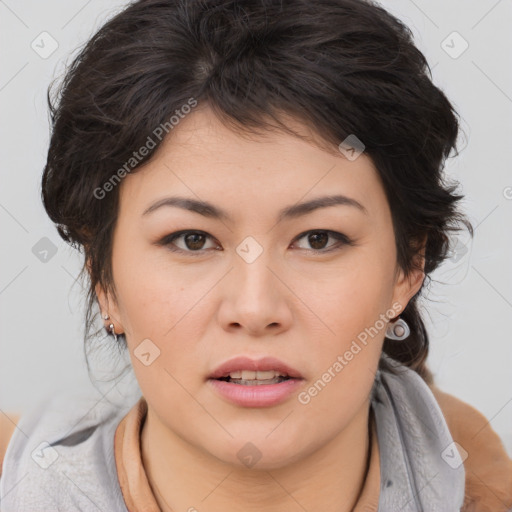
[8, 423]
[487, 465]
[59, 455]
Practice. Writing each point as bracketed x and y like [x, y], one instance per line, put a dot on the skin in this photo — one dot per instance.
[301, 306]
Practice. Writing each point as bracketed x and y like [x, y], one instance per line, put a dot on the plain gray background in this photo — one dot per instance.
[468, 308]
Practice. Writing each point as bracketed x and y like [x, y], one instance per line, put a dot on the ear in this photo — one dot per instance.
[407, 286]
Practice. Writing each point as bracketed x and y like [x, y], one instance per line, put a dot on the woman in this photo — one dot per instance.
[258, 191]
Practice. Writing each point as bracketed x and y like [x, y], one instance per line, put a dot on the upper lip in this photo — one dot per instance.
[246, 363]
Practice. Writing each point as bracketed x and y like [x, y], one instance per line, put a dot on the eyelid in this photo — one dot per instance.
[340, 237]
[168, 239]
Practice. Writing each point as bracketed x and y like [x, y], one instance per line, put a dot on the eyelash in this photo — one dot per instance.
[168, 239]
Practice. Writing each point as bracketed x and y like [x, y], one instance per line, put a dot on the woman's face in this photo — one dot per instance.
[254, 282]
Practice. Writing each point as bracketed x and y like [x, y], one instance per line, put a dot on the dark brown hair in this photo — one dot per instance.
[342, 67]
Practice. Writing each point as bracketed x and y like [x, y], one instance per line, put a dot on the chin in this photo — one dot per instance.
[258, 452]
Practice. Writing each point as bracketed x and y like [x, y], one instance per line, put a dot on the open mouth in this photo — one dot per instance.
[255, 388]
[254, 377]
[255, 382]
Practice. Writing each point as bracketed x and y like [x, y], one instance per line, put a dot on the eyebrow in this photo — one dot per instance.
[297, 210]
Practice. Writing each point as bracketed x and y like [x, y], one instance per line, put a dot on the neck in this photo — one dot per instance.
[185, 477]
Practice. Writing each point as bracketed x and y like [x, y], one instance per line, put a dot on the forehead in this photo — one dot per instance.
[202, 158]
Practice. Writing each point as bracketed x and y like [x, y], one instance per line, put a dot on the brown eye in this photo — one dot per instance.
[194, 241]
[318, 239]
[191, 242]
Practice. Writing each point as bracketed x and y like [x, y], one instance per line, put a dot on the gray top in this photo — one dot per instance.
[61, 456]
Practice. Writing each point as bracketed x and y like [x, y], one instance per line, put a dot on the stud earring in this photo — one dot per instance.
[398, 330]
[111, 328]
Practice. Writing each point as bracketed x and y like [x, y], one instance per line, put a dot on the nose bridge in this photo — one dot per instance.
[252, 273]
[256, 298]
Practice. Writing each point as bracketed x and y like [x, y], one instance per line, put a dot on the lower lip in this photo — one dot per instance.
[263, 395]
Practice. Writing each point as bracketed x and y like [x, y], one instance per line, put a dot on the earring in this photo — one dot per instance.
[110, 328]
[398, 330]
[112, 331]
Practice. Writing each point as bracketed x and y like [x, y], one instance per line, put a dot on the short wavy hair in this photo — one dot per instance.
[341, 66]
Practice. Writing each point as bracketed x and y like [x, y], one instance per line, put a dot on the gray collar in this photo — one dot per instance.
[421, 469]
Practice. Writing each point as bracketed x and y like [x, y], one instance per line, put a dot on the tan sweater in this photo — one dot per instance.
[488, 467]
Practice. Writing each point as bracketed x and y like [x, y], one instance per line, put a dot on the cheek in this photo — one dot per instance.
[164, 318]
[349, 298]
[347, 348]
[348, 332]
[153, 293]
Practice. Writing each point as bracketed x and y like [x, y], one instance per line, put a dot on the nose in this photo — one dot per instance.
[255, 298]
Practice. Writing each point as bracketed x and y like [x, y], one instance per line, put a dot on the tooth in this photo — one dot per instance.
[263, 375]
[255, 375]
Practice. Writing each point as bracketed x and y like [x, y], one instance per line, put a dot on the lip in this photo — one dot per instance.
[262, 395]
[259, 395]
[262, 364]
